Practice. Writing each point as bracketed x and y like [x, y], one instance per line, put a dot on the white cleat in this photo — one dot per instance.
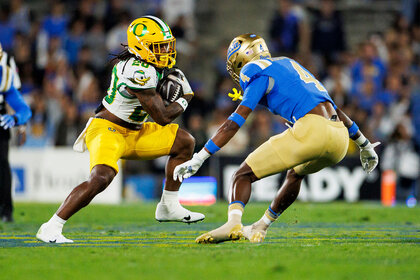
[254, 234]
[176, 213]
[51, 236]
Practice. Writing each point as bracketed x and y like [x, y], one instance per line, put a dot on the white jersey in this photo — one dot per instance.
[133, 74]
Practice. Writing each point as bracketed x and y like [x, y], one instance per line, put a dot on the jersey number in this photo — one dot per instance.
[138, 115]
[306, 77]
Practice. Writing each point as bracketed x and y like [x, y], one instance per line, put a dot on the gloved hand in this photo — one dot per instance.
[368, 157]
[236, 95]
[186, 88]
[189, 168]
[7, 121]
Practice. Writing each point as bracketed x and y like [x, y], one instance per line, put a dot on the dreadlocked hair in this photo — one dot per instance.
[123, 55]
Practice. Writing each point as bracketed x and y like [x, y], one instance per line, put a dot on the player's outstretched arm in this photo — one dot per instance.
[22, 111]
[222, 136]
[368, 156]
[229, 128]
[152, 103]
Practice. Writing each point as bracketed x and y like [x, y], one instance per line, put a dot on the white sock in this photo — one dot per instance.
[56, 222]
[169, 197]
[266, 220]
[235, 212]
[269, 217]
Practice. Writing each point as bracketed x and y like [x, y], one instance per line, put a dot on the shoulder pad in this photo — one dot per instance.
[252, 70]
[138, 74]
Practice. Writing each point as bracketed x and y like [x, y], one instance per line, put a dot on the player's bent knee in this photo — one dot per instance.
[184, 142]
[100, 178]
[244, 173]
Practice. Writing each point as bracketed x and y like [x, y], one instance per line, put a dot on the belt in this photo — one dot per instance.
[131, 126]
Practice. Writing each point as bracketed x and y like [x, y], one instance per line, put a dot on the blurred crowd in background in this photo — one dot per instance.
[63, 55]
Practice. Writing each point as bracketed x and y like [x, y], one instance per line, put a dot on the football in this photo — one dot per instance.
[169, 88]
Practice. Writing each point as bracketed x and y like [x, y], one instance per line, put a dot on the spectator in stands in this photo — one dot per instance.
[328, 31]
[380, 124]
[415, 45]
[85, 13]
[37, 135]
[391, 91]
[20, 16]
[196, 127]
[7, 30]
[55, 24]
[261, 128]
[338, 84]
[287, 28]
[400, 155]
[90, 100]
[74, 40]
[113, 12]
[118, 33]
[367, 67]
[415, 108]
[95, 41]
[366, 96]
[69, 126]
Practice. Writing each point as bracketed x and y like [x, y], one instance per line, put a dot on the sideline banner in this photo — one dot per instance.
[346, 181]
[50, 174]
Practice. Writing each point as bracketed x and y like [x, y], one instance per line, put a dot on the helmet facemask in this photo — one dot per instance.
[163, 53]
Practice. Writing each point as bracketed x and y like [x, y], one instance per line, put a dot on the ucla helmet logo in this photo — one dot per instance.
[234, 47]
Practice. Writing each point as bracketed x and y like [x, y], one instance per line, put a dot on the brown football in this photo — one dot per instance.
[169, 88]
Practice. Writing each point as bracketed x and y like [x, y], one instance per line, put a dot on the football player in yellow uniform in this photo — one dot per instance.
[119, 130]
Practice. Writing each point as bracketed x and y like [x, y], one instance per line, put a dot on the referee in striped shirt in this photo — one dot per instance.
[10, 95]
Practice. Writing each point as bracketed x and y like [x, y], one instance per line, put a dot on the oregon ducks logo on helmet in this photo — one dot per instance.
[151, 40]
[136, 29]
[243, 49]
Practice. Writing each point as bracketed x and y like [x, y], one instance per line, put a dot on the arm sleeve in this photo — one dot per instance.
[15, 100]
[254, 92]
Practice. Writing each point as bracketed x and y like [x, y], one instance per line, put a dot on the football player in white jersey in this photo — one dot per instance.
[119, 130]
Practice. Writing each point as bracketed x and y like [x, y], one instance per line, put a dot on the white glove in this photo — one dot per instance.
[189, 168]
[186, 88]
[368, 156]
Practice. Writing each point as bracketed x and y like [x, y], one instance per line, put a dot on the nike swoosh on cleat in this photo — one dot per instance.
[187, 218]
[53, 241]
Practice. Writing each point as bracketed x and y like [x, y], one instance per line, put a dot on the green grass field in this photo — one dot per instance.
[310, 241]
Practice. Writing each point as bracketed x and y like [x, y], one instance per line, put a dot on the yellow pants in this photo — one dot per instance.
[108, 142]
[310, 145]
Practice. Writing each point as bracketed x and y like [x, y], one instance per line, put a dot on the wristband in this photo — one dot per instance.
[211, 147]
[361, 141]
[15, 118]
[238, 119]
[353, 129]
[183, 102]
